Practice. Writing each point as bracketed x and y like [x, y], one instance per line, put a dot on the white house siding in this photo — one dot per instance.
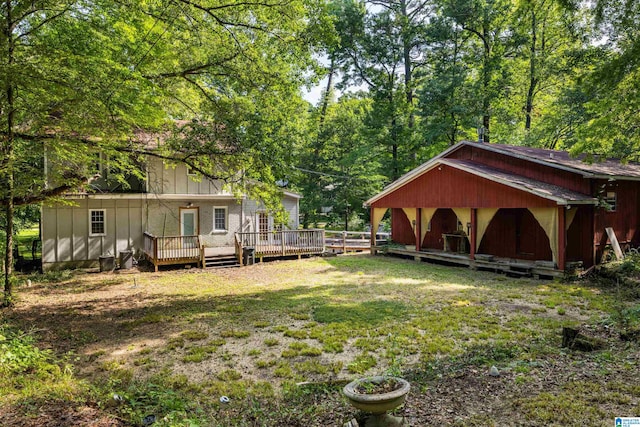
[169, 179]
[234, 219]
[164, 218]
[252, 208]
[291, 205]
[65, 231]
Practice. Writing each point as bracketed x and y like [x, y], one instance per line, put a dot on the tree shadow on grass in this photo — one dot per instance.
[129, 312]
[100, 320]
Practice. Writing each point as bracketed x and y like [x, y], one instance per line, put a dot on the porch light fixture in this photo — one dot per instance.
[189, 204]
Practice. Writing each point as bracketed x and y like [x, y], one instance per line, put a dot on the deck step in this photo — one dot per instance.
[221, 261]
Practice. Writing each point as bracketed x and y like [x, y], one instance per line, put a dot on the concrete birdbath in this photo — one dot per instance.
[378, 395]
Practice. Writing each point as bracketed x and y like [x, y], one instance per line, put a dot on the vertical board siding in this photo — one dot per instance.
[136, 226]
[64, 230]
[515, 233]
[401, 229]
[625, 221]
[109, 240]
[291, 206]
[443, 221]
[580, 237]
[121, 227]
[80, 223]
[49, 224]
[447, 187]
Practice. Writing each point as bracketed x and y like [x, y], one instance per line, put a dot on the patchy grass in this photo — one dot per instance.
[177, 341]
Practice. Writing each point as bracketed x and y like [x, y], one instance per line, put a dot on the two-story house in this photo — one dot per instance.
[517, 209]
[173, 217]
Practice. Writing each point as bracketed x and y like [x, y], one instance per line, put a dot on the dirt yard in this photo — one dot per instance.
[280, 339]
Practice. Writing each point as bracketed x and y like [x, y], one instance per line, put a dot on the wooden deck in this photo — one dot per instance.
[171, 250]
[174, 250]
[486, 262]
[279, 243]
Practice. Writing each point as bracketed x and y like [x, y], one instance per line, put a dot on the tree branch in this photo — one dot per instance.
[196, 69]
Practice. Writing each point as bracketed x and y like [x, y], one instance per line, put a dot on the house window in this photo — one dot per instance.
[97, 222]
[220, 219]
[612, 201]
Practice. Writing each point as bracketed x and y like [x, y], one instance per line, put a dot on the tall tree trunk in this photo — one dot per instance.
[408, 76]
[319, 143]
[8, 161]
[406, 51]
[452, 94]
[326, 98]
[533, 81]
[486, 83]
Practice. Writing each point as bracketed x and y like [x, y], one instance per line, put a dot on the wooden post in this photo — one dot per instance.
[282, 241]
[373, 232]
[473, 237]
[344, 242]
[562, 238]
[418, 228]
[155, 251]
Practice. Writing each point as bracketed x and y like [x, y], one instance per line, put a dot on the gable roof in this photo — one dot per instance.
[556, 193]
[607, 169]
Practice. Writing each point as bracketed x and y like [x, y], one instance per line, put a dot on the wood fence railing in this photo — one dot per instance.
[281, 243]
[167, 250]
[346, 241]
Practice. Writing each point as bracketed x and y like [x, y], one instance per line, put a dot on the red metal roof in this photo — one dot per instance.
[594, 166]
[539, 188]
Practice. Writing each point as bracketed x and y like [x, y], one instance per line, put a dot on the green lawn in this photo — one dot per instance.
[24, 240]
[172, 343]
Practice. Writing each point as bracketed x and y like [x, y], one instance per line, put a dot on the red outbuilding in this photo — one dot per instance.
[517, 209]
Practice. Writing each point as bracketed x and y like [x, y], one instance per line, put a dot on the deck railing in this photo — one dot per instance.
[352, 240]
[282, 243]
[171, 249]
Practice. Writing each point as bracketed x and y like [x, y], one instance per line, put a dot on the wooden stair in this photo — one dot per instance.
[220, 261]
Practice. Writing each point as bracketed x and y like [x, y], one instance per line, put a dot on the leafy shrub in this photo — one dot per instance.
[19, 354]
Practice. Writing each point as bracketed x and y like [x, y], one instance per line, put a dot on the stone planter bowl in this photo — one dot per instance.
[376, 404]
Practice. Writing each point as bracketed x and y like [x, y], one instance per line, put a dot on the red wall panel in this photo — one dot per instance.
[447, 187]
[401, 229]
[515, 233]
[624, 220]
[580, 236]
[443, 221]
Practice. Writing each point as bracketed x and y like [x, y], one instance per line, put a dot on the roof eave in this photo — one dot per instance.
[581, 172]
[413, 174]
[617, 177]
[559, 200]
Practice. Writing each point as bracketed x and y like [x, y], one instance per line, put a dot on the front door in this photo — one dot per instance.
[189, 225]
